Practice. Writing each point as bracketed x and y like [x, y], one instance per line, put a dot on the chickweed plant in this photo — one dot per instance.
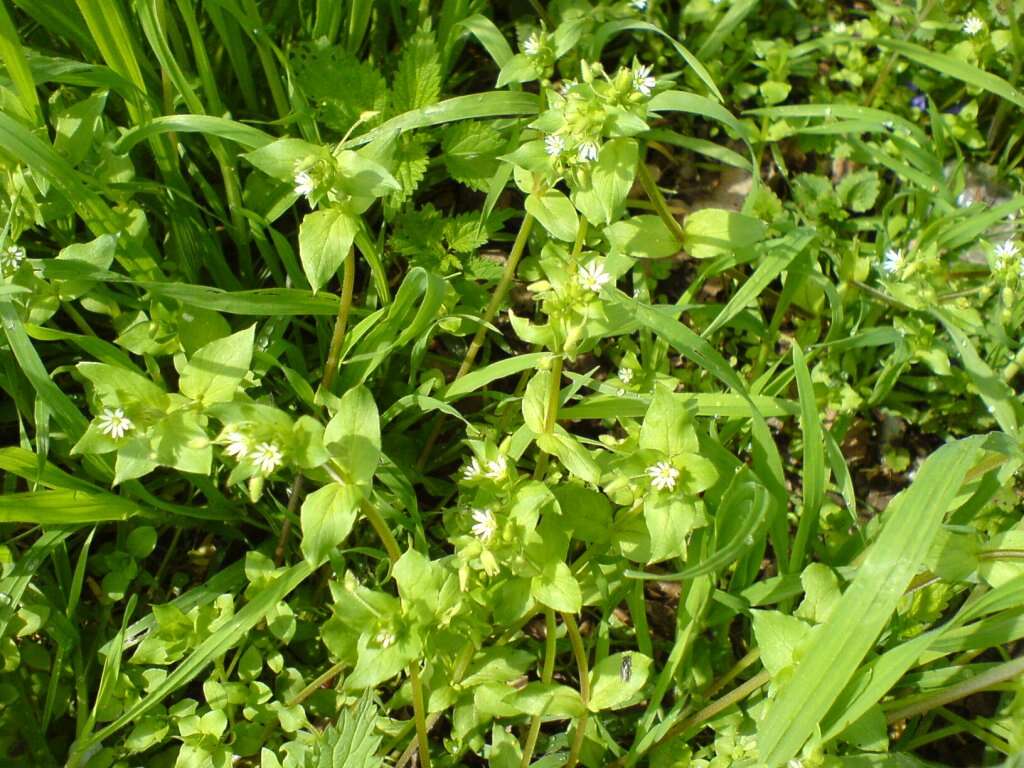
[454, 383]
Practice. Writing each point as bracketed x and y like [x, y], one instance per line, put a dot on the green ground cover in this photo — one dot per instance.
[505, 384]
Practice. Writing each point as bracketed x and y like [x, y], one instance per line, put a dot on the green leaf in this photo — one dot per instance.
[955, 68]
[490, 38]
[555, 213]
[352, 437]
[214, 646]
[474, 380]
[618, 680]
[670, 519]
[535, 401]
[325, 240]
[602, 190]
[417, 82]
[573, 456]
[65, 507]
[781, 639]
[220, 127]
[712, 232]
[279, 158]
[858, 191]
[909, 525]
[557, 588]
[215, 371]
[327, 516]
[668, 424]
[642, 237]
[472, 107]
[352, 740]
[778, 255]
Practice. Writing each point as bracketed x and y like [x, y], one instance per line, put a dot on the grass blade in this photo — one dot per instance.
[215, 646]
[955, 68]
[910, 525]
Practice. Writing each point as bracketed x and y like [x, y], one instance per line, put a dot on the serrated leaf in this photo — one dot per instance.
[858, 191]
[352, 742]
[470, 150]
[417, 82]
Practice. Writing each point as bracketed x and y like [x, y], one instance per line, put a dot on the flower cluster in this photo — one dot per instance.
[495, 469]
[264, 456]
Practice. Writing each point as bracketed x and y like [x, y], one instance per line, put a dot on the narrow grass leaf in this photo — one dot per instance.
[490, 37]
[213, 647]
[956, 68]
[221, 127]
[481, 377]
[472, 107]
[909, 526]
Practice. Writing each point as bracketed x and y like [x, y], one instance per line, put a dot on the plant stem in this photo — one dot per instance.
[546, 674]
[507, 276]
[987, 679]
[651, 188]
[348, 282]
[458, 672]
[418, 706]
[306, 692]
[584, 673]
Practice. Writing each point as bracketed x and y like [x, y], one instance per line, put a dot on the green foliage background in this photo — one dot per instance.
[603, 383]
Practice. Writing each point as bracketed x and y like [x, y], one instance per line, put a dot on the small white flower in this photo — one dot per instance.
[663, 476]
[566, 86]
[484, 524]
[472, 470]
[893, 261]
[840, 28]
[237, 445]
[592, 277]
[267, 457]
[11, 258]
[587, 152]
[973, 25]
[113, 422]
[496, 469]
[640, 5]
[531, 47]
[625, 375]
[385, 639]
[642, 80]
[554, 144]
[1003, 253]
[304, 184]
